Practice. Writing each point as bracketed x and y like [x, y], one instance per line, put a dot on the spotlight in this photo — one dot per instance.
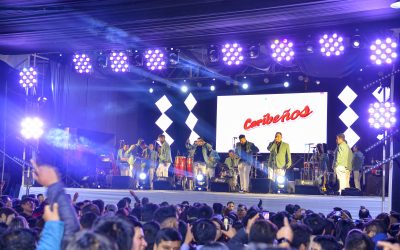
[280, 184]
[232, 54]
[136, 58]
[286, 84]
[356, 41]
[31, 128]
[253, 51]
[282, 50]
[266, 80]
[213, 53]
[184, 88]
[82, 63]
[28, 77]
[212, 88]
[395, 5]
[119, 61]
[317, 82]
[331, 44]
[173, 56]
[383, 51]
[155, 59]
[200, 177]
[245, 85]
[151, 90]
[142, 176]
[382, 115]
[280, 180]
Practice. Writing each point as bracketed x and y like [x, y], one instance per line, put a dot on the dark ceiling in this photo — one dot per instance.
[28, 26]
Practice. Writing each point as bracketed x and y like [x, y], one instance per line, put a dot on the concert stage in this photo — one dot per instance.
[271, 202]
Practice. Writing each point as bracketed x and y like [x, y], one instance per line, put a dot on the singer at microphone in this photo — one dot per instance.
[280, 158]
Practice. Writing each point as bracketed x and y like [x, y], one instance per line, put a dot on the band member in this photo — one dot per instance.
[280, 158]
[204, 157]
[152, 163]
[125, 159]
[342, 162]
[232, 162]
[357, 164]
[245, 150]
[164, 158]
[322, 157]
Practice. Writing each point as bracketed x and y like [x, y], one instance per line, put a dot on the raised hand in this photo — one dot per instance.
[51, 214]
[44, 174]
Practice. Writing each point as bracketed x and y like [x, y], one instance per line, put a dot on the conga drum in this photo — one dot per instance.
[180, 166]
[189, 167]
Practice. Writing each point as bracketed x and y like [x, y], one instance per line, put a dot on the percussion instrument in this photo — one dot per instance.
[189, 167]
[180, 166]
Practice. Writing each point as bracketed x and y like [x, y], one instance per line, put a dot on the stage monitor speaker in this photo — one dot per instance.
[260, 185]
[306, 189]
[373, 185]
[351, 192]
[162, 185]
[219, 186]
[121, 182]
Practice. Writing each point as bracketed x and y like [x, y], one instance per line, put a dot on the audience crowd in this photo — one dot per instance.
[56, 221]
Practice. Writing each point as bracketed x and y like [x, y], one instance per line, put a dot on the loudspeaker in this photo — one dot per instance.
[162, 185]
[306, 189]
[351, 192]
[121, 182]
[260, 185]
[219, 186]
[373, 185]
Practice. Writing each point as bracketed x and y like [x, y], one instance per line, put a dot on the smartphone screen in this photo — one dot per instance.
[266, 215]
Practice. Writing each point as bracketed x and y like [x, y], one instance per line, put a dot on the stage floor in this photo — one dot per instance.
[271, 202]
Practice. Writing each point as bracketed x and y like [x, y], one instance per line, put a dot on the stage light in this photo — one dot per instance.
[286, 84]
[142, 176]
[232, 54]
[119, 61]
[173, 56]
[213, 53]
[382, 115]
[245, 86]
[395, 5]
[266, 80]
[212, 88]
[151, 90]
[32, 128]
[200, 177]
[136, 58]
[383, 51]
[282, 50]
[28, 77]
[155, 59]
[318, 82]
[184, 88]
[253, 51]
[355, 41]
[331, 44]
[82, 63]
[280, 180]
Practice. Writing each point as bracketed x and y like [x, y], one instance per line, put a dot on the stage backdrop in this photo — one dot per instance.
[301, 117]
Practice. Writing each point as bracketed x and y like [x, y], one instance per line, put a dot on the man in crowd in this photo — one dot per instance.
[279, 159]
[164, 157]
[342, 162]
[168, 238]
[357, 164]
[245, 151]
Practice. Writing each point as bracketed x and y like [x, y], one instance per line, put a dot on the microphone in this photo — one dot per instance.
[234, 137]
